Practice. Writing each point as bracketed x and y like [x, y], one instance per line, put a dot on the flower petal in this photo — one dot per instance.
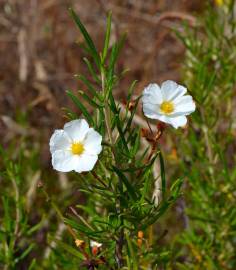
[92, 142]
[184, 105]
[171, 90]
[168, 89]
[178, 121]
[59, 141]
[151, 110]
[63, 161]
[150, 113]
[165, 119]
[85, 163]
[95, 244]
[152, 94]
[77, 129]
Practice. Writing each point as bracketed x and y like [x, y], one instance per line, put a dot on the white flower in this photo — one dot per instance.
[95, 244]
[75, 147]
[167, 103]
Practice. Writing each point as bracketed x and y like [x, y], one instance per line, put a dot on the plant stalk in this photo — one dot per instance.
[120, 241]
[106, 112]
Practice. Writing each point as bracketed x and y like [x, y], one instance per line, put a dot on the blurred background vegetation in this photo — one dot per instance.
[192, 42]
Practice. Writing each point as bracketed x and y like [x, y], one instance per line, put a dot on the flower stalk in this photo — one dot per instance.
[120, 241]
[106, 111]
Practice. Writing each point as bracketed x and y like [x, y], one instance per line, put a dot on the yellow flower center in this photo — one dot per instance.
[167, 107]
[77, 148]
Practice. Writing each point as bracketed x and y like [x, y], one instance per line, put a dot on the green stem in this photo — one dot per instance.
[17, 196]
[120, 241]
[106, 111]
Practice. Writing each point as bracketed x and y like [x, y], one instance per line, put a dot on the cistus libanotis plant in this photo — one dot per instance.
[113, 160]
[17, 234]
[207, 157]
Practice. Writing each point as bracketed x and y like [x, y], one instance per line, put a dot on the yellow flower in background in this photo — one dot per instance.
[79, 242]
[219, 2]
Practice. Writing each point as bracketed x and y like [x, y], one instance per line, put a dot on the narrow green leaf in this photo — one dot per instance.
[107, 37]
[25, 253]
[147, 180]
[122, 137]
[90, 100]
[7, 219]
[90, 87]
[131, 90]
[101, 123]
[70, 114]
[116, 48]
[92, 71]
[132, 115]
[76, 101]
[36, 227]
[113, 105]
[78, 226]
[154, 217]
[32, 265]
[87, 37]
[136, 144]
[175, 188]
[126, 182]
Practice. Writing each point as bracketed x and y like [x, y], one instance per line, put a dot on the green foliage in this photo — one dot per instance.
[16, 232]
[207, 156]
